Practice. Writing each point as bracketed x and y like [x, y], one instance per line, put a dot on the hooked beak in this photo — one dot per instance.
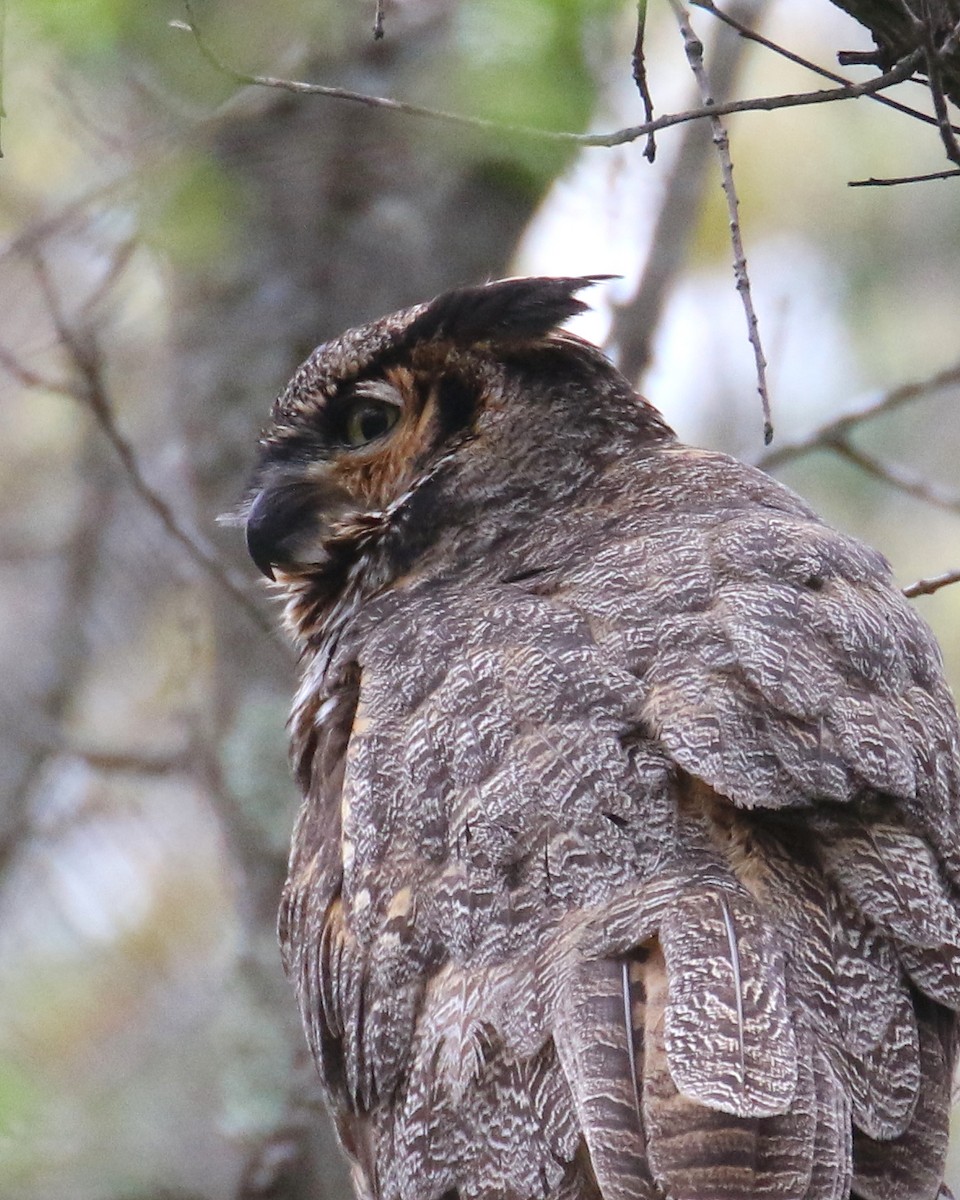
[263, 535]
[289, 521]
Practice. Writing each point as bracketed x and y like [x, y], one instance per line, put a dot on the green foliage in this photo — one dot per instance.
[82, 27]
[525, 64]
[19, 1097]
[195, 213]
[20, 1102]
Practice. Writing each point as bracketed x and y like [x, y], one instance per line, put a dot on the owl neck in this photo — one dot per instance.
[320, 607]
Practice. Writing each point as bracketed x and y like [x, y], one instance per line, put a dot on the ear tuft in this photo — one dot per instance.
[506, 310]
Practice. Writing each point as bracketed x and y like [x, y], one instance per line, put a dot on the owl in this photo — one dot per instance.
[628, 862]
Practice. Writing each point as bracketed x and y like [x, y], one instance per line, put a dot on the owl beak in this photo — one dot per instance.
[289, 522]
[263, 536]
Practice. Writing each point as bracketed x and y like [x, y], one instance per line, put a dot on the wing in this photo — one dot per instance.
[811, 986]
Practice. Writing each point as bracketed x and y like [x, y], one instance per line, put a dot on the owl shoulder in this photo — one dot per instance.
[780, 663]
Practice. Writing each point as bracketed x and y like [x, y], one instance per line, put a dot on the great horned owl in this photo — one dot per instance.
[628, 865]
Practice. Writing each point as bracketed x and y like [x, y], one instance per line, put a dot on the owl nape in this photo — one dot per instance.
[627, 866]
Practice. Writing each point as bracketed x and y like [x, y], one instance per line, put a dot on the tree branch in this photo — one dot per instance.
[899, 27]
[635, 322]
[872, 182]
[89, 389]
[840, 427]
[896, 476]
[754, 36]
[640, 78]
[694, 51]
[926, 587]
[835, 436]
[618, 137]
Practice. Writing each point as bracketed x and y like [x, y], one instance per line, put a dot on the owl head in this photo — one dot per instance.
[398, 432]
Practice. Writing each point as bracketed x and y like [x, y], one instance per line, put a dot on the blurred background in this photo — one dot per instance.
[171, 245]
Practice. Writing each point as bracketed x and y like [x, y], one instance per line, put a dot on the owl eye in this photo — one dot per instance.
[367, 419]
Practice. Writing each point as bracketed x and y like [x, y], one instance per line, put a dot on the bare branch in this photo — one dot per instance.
[872, 182]
[694, 51]
[754, 36]
[118, 264]
[635, 322]
[640, 78]
[90, 389]
[76, 211]
[839, 427]
[834, 437]
[619, 137]
[38, 726]
[926, 587]
[896, 476]
[935, 59]
[27, 378]
[900, 26]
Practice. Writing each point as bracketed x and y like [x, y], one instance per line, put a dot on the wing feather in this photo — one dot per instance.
[597, 1057]
[700, 1152]
[728, 1036]
[894, 879]
[832, 1156]
[682, 840]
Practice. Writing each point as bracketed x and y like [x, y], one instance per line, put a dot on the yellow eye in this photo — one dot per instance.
[366, 420]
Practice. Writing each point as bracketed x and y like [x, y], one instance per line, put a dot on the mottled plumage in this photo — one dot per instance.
[628, 863]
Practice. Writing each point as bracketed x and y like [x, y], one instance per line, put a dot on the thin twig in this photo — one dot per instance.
[668, 241]
[91, 391]
[30, 379]
[933, 56]
[752, 35]
[873, 182]
[640, 78]
[935, 82]
[75, 211]
[896, 476]
[926, 587]
[119, 262]
[839, 427]
[950, 42]
[618, 137]
[694, 51]
[41, 723]
[378, 21]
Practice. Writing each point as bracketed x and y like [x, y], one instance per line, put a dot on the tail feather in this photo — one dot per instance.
[884, 1083]
[846, 984]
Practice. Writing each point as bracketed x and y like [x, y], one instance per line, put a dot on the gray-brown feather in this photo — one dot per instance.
[628, 860]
